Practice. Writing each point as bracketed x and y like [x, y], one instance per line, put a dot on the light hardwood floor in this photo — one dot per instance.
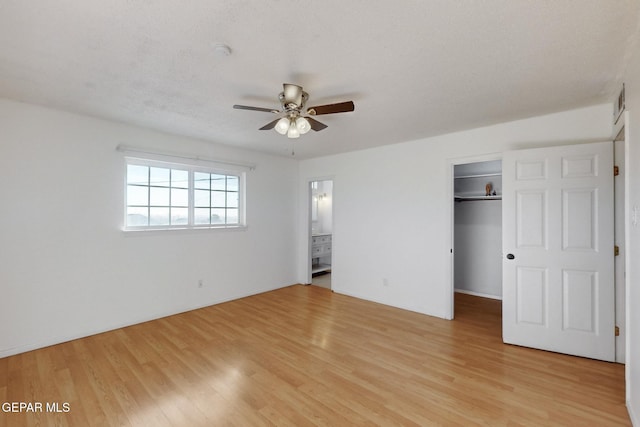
[322, 280]
[303, 355]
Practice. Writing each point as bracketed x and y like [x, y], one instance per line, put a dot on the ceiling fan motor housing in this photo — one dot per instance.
[293, 105]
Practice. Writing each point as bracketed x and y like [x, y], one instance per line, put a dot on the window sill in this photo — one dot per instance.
[180, 230]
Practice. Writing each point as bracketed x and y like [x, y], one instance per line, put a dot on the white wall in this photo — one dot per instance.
[632, 88]
[478, 247]
[66, 268]
[325, 206]
[323, 198]
[392, 206]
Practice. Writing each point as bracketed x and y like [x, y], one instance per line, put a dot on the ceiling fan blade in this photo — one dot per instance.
[316, 125]
[292, 93]
[340, 107]
[270, 125]
[246, 107]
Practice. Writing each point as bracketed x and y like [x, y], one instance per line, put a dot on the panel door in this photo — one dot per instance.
[558, 270]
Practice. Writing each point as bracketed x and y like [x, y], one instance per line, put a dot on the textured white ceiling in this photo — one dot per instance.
[413, 68]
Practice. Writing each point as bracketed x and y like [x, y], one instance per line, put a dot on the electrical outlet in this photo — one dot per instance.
[200, 283]
[385, 281]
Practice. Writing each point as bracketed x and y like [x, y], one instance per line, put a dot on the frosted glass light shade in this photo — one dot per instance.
[293, 132]
[302, 125]
[282, 126]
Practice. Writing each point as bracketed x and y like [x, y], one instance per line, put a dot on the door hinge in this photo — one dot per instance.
[617, 331]
[616, 250]
[616, 171]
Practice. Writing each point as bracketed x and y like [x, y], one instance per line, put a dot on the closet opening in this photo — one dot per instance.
[477, 239]
[321, 230]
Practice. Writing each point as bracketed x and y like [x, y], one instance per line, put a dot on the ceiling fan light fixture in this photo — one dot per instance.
[282, 126]
[293, 131]
[302, 125]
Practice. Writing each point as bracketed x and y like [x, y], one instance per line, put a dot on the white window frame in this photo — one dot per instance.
[191, 169]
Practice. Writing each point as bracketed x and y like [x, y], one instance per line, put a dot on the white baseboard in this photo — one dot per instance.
[632, 415]
[478, 294]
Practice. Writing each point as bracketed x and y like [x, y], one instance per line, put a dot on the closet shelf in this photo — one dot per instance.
[318, 268]
[478, 175]
[474, 198]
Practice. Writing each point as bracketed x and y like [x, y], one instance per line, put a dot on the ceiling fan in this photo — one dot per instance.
[293, 119]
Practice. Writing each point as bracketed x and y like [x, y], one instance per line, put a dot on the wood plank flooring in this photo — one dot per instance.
[303, 355]
[323, 280]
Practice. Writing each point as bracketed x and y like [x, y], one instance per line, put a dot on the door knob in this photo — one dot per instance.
[510, 256]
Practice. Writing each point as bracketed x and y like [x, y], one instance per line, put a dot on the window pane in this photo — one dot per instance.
[201, 198]
[201, 180]
[159, 176]
[137, 216]
[201, 216]
[137, 174]
[179, 197]
[218, 182]
[232, 183]
[217, 216]
[218, 199]
[159, 216]
[137, 195]
[233, 216]
[232, 200]
[172, 194]
[179, 178]
[179, 216]
[159, 196]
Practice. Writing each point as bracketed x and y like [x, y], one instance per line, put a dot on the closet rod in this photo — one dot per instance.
[475, 198]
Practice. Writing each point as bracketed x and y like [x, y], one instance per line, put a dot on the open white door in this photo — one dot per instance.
[558, 270]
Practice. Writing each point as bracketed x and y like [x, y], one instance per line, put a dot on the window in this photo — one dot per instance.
[216, 198]
[163, 195]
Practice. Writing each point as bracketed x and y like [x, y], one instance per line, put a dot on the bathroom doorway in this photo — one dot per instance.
[321, 232]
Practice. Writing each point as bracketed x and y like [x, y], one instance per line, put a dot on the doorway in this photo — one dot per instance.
[587, 310]
[477, 231]
[321, 232]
